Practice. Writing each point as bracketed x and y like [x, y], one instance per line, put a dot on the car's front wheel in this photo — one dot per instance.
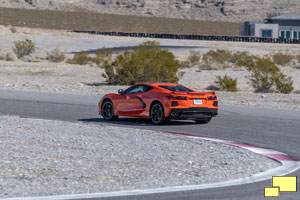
[203, 121]
[107, 110]
[157, 114]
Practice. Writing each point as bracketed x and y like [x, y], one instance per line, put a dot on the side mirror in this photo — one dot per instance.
[120, 91]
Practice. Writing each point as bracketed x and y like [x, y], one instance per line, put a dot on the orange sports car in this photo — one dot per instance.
[160, 102]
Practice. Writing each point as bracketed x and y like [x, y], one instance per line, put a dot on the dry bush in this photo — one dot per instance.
[226, 83]
[185, 64]
[212, 87]
[192, 60]
[24, 48]
[101, 56]
[219, 56]
[238, 57]
[55, 56]
[194, 57]
[81, 58]
[146, 63]
[222, 59]
[282, 58]
[284, 84]
[265, 75]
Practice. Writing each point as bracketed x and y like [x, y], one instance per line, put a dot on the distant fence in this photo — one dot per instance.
[197, 37]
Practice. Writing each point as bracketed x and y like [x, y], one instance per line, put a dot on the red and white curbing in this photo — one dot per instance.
[276, 155]
[289, 164]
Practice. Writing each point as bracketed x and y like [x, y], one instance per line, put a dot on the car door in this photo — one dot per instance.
[131, 104]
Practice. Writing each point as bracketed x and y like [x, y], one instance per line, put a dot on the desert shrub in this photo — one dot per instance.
[194, 57]
[265, 74]
[221, 59]
[226, 83]
[192, 60]
[212, 87]
[24, 48]
[284, 84]
[219, 56]
[238, 57]
[184, 64]
[147, 62]
[81, 58]
[101, 56]
[55, 56]
[282, 58]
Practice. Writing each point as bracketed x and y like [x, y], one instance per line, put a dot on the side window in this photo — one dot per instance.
[147, 88]
[128, 91]
[135, 89]
[138, 89]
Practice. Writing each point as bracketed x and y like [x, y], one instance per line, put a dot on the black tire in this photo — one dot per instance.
[203, 121]
[107, 110]
[157, 114]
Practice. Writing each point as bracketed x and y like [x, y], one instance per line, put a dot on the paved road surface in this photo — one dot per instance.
[271, 128]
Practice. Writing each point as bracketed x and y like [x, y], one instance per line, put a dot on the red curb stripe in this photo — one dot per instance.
[182, 134]
[281, 157]
[240, 144]
[278, 157]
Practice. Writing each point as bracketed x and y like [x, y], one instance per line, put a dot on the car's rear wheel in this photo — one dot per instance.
[107, 110]
[157, 114]
[203, 121]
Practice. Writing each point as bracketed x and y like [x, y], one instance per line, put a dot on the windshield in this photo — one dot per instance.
[179, 88]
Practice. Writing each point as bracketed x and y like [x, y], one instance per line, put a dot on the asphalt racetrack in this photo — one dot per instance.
[276, 129]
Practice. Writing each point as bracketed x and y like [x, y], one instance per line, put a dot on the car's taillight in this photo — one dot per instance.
[176, 97]
[212, 98]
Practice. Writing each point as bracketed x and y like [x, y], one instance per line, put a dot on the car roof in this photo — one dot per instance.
[159, 83]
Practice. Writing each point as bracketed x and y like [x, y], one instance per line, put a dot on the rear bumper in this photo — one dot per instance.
[193, 113]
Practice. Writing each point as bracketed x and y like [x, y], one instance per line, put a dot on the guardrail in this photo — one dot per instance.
[197, 37]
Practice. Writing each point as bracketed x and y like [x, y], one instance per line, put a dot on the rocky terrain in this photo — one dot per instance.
[216, 10]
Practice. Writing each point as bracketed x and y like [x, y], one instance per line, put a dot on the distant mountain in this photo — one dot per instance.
[216, 10]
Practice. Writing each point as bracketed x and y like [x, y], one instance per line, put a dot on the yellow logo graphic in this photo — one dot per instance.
[281, 184]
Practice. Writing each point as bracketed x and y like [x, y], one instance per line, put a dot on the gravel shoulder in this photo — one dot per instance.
[73, 158]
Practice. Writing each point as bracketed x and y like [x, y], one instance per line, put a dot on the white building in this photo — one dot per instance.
[283, 26]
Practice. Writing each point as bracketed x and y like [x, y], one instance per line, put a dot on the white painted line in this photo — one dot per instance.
[263, 151]
[287, 167]
[215, 140]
